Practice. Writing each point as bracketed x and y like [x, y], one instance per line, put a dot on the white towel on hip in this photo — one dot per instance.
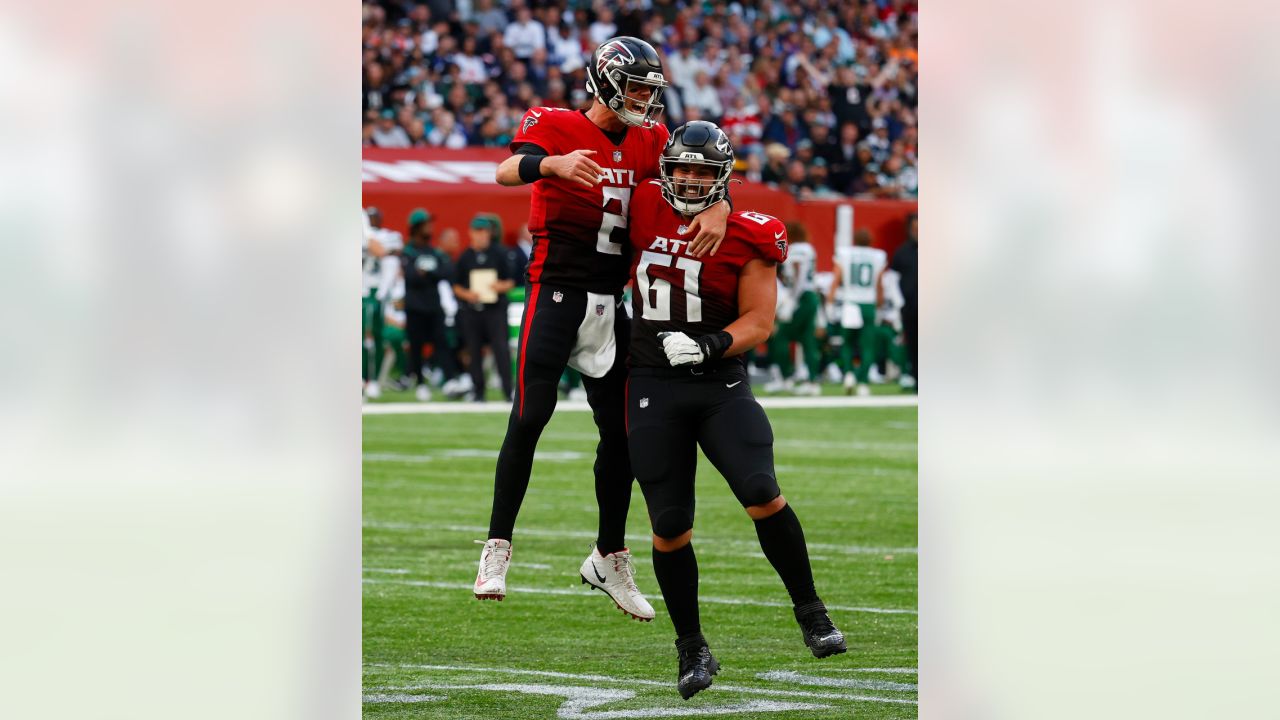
[594, 352]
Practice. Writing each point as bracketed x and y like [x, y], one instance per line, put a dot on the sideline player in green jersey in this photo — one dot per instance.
[858, 279]
[797, 276]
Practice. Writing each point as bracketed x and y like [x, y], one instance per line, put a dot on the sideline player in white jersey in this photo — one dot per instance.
[859, 272]
[381, 268]
[798, 303]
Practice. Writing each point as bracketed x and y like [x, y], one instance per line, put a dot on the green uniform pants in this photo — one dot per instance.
[868, 339]
[800, 329]
[393, 339]
[370, 329]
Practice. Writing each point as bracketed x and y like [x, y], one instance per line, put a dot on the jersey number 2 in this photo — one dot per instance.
[655, 293]
[604, 238]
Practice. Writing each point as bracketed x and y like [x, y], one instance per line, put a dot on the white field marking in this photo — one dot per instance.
[531, 566]
[836, 445]
[719, 687]
[769, 403]
[813, 694]
[753, 548]
[800, 679]
[388, 571]
[579, 592]
[851, 473]
[543, 455]
[396, 457]
[514, 671]
[578, 701]
[889, 671]
[398, 698]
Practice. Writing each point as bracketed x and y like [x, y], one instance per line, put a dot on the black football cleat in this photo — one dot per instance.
[820, 634]
[696, 667]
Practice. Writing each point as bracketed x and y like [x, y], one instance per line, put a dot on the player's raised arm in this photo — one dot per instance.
[525, 168]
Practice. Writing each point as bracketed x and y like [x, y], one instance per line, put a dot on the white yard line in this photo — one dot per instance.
[579, 700]
[769, 403]
[888, 671]
[481, 453]
[792, 676]
[753, 547]
[718, 687]
[586, 593]
[398, 698]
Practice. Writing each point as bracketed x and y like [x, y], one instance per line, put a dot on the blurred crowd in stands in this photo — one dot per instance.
[818, 97]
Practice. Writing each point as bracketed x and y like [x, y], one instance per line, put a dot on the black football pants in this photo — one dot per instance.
[548, 333]
[670, 412]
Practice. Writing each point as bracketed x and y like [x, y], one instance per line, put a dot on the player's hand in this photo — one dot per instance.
[577, 167]
[681, 349]
[709, 226]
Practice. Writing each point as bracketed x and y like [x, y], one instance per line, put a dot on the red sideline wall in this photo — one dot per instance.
[454, 185]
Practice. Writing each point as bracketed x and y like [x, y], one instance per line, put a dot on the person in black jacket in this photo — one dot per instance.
[424, 267]
[905, 264]
[481, 283]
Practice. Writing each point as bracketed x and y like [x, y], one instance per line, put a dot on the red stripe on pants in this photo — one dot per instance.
[524, 338]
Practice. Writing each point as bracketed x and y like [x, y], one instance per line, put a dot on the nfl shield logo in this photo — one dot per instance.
[557, 296]
[600, 310]
[644, 402]
[682, 229]
[617, 156]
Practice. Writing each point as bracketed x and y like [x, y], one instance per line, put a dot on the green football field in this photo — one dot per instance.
[554, 649]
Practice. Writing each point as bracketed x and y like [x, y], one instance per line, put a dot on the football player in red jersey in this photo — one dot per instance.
[694, 317]
[584, 167]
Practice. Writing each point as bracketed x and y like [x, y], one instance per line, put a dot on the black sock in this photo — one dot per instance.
[677, 574]
[782, 541]
[691, 642]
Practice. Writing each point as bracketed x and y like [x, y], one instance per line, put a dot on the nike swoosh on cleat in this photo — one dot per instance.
[729, 385]
[597, 572]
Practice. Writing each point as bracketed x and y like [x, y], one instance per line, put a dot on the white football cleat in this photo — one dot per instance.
[491, 578]
[863, 390]
[833, 373]
[372, 391]
[423, 393]
[848, 383]
[614, 574]
[808, 388]
[874, 376]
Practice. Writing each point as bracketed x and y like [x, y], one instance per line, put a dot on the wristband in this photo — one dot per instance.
[531, 167]
[714, 345]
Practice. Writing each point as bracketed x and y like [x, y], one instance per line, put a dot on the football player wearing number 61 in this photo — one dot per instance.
[693, 319]
[584, 167]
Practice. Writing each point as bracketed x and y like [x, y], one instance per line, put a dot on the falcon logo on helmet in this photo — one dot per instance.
[625, 75]
[613, 52]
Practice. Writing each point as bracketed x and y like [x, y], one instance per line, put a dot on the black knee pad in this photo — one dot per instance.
[672, 523]
[758, 489]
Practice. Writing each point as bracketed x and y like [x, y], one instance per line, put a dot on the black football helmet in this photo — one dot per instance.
[696, 143]
[618, 69]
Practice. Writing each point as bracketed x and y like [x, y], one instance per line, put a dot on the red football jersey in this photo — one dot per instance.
[579, 233]
[678, 293]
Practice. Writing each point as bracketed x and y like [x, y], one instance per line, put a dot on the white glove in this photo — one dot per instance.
[681, 349]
